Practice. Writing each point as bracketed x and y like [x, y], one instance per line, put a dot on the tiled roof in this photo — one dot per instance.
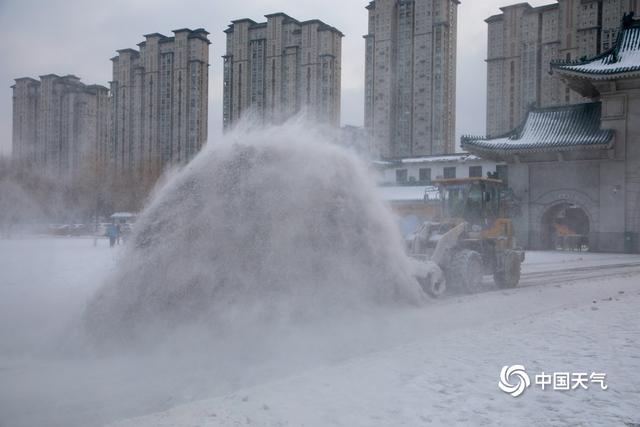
[549, 129]
[624, 57]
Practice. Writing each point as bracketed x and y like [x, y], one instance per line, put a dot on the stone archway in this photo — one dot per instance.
[565, 226]
[555, 200]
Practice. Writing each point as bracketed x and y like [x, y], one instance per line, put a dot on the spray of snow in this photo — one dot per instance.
[268, 227]
[269, 254]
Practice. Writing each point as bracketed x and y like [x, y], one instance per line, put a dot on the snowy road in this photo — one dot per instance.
[550, 277]
[550, 268]
[438, 365]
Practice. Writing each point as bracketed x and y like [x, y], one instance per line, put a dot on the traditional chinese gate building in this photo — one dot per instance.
[576, 169]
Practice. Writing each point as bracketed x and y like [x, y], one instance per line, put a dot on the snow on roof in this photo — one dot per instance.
[445, 158]
[624, 57]
[381, 163]
[409, 193]
[123, 215]
[461, 157]
[549, 129]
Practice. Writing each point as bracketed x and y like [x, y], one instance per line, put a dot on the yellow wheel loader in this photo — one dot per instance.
[472, 237]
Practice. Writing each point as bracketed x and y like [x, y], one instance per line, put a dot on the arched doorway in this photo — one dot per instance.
[565, 226]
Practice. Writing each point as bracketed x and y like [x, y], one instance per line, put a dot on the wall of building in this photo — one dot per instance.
[462, 164]
[282, 67]
[588, 184]
[159, 101]
[25, 112]
[60, 125]
[410, 77]
[621, 111]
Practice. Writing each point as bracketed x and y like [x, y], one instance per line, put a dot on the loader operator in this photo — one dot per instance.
[473, 207]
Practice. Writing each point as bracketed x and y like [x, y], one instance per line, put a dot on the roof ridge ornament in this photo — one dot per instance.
[621, 61]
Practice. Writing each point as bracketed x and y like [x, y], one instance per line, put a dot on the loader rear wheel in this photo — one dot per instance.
[509, 276]
[466, 270]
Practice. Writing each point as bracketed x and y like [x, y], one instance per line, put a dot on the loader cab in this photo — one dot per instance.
[474, 200]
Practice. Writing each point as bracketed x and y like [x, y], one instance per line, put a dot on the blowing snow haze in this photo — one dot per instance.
[272, 226]
[236, 273]
[258, 213]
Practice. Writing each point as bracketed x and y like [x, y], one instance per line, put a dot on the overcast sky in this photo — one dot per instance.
[79, 36]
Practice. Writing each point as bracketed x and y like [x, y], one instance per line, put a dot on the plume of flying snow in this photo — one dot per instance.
[267, 227]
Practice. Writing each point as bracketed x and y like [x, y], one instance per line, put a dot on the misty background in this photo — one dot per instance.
[80, 36]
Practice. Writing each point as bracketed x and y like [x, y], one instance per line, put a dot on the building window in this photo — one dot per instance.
[450, 172]
[401, 176]
[503, 174]
[424, 175]
[475, 171]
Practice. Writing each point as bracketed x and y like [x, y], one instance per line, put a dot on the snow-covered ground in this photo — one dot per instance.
[438, 365]
[42, 280]
[448, 374]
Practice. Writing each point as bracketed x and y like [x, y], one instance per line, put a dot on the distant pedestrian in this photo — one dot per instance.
[112, 234]
[118, 232]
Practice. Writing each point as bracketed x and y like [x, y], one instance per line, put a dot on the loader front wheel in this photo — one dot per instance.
[466, 270]
[433, 285]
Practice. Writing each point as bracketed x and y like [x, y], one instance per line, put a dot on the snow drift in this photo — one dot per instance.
[265, 227]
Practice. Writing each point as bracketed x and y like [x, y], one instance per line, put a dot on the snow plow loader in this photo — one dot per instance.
[472, 237]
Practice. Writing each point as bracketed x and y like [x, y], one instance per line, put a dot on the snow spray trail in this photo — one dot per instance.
[267, 227]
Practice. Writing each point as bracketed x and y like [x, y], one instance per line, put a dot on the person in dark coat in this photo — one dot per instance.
[112, 234]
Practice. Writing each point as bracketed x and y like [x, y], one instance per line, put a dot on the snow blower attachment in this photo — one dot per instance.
[472, 237]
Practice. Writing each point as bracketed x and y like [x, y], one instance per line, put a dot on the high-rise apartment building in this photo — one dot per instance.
[60, 125]
[410, 77]
[522, 42]
[159, 101]
[278, 68]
